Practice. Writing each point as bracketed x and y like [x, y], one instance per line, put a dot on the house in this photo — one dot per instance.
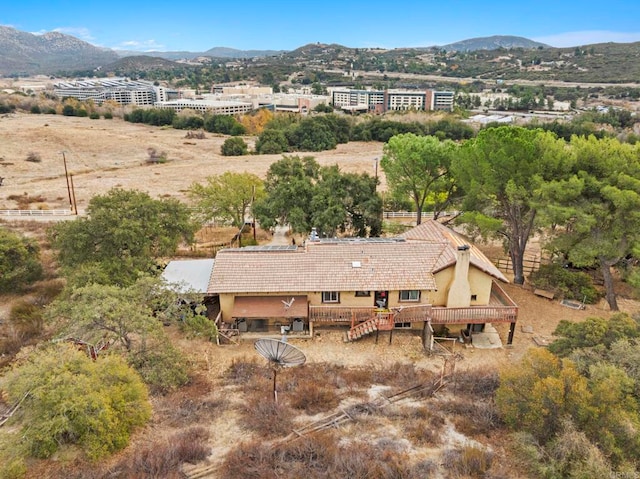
[426, 277]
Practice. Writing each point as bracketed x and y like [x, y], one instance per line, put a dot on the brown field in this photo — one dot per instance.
[102, 154]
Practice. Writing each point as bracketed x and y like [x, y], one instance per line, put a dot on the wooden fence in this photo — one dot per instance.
[529, 264]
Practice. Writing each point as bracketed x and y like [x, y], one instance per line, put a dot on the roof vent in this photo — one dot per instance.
[356, 264]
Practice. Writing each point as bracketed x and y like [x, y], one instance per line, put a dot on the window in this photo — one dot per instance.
[330, 297]
[410, 295]
[474, 297]
[363, 294]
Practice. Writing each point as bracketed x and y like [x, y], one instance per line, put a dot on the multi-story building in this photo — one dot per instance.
[121, 90]
[216, 107]
[380, 101]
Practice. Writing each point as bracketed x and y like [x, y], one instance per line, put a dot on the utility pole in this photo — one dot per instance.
[66, 175]
[73, 194]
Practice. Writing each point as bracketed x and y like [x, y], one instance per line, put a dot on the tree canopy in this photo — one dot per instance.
[302, 194]
[122, 235]
[502, 173]
[597, 208]
[418, 167]
[19, 261]
[227, 197]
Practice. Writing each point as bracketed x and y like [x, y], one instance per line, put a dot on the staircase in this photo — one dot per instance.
[382, 321]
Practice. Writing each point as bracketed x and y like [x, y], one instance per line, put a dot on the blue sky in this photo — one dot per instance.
[285, 25]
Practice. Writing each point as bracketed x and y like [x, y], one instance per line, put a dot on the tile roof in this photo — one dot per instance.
[434, 232]
[403, 263]
[339, 266]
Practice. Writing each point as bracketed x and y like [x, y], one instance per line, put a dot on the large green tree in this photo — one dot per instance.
[597, 209]
[304, 195]
[228, 197]
[19, 261]
[121, 236]
[346, 202]
[502, 173]
[418, 167]
[289, 188]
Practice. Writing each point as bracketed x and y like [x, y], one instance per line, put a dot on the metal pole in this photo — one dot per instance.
[66, 175]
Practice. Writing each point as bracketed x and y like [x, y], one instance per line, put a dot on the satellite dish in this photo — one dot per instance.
[279, 354]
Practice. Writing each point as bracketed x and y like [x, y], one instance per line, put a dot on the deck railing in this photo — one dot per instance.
[405, 314]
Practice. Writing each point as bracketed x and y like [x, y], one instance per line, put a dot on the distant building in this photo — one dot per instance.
[120, 90]
[380, 101]
[214, 106]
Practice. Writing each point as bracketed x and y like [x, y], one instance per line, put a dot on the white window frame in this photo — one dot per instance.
[330, 296]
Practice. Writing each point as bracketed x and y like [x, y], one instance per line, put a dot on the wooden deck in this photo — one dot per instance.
[501, 309]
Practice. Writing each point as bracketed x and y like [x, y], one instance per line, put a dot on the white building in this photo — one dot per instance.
[391, 100]
[120, 90]
[214, 106]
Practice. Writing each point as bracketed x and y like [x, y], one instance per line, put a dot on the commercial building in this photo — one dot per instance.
[209, 105]
[380, 101]
[120, 90]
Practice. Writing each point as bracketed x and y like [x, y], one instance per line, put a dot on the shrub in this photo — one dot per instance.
[34, 157]
[71, 399]
[313, 397]
[263, 415]
[234, 147]
[571, 284]
[35, 109]
[19, 262]
[94, 115]
[199, 326]
[163, 368]
[108, 115]
[68, 110]
[26, 318]
[163, 458]
[468, 461]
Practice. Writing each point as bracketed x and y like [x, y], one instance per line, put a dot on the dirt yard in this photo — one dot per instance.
[102, 154]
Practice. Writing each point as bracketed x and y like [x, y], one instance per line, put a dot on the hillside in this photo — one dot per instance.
[493, 43]
[23, 53]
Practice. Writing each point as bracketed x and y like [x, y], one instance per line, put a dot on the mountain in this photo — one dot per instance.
[215, 52]
[493, 43]
[23, 53]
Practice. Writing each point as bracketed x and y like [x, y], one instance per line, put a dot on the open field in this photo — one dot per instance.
[105, 153]
[102, 154]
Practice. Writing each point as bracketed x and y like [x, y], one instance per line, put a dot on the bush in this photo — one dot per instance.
[468, 461]
[35, 109]
[27, 319]
[199, 326]
[108, 115]
[68, 110]
[163, 458]
[163, 369]
[94, 115]
[234, 147]
[71, 399]
[34, 157]
[571, 284]
[19, 262]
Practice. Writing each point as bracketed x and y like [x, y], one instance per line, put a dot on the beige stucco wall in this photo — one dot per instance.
[479, 281]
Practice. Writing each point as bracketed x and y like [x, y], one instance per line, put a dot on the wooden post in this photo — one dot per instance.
[512, 330]
[275, 391]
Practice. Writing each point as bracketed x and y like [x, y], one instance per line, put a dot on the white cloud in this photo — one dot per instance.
[573, 39]
[79, 32]
[140, 46]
